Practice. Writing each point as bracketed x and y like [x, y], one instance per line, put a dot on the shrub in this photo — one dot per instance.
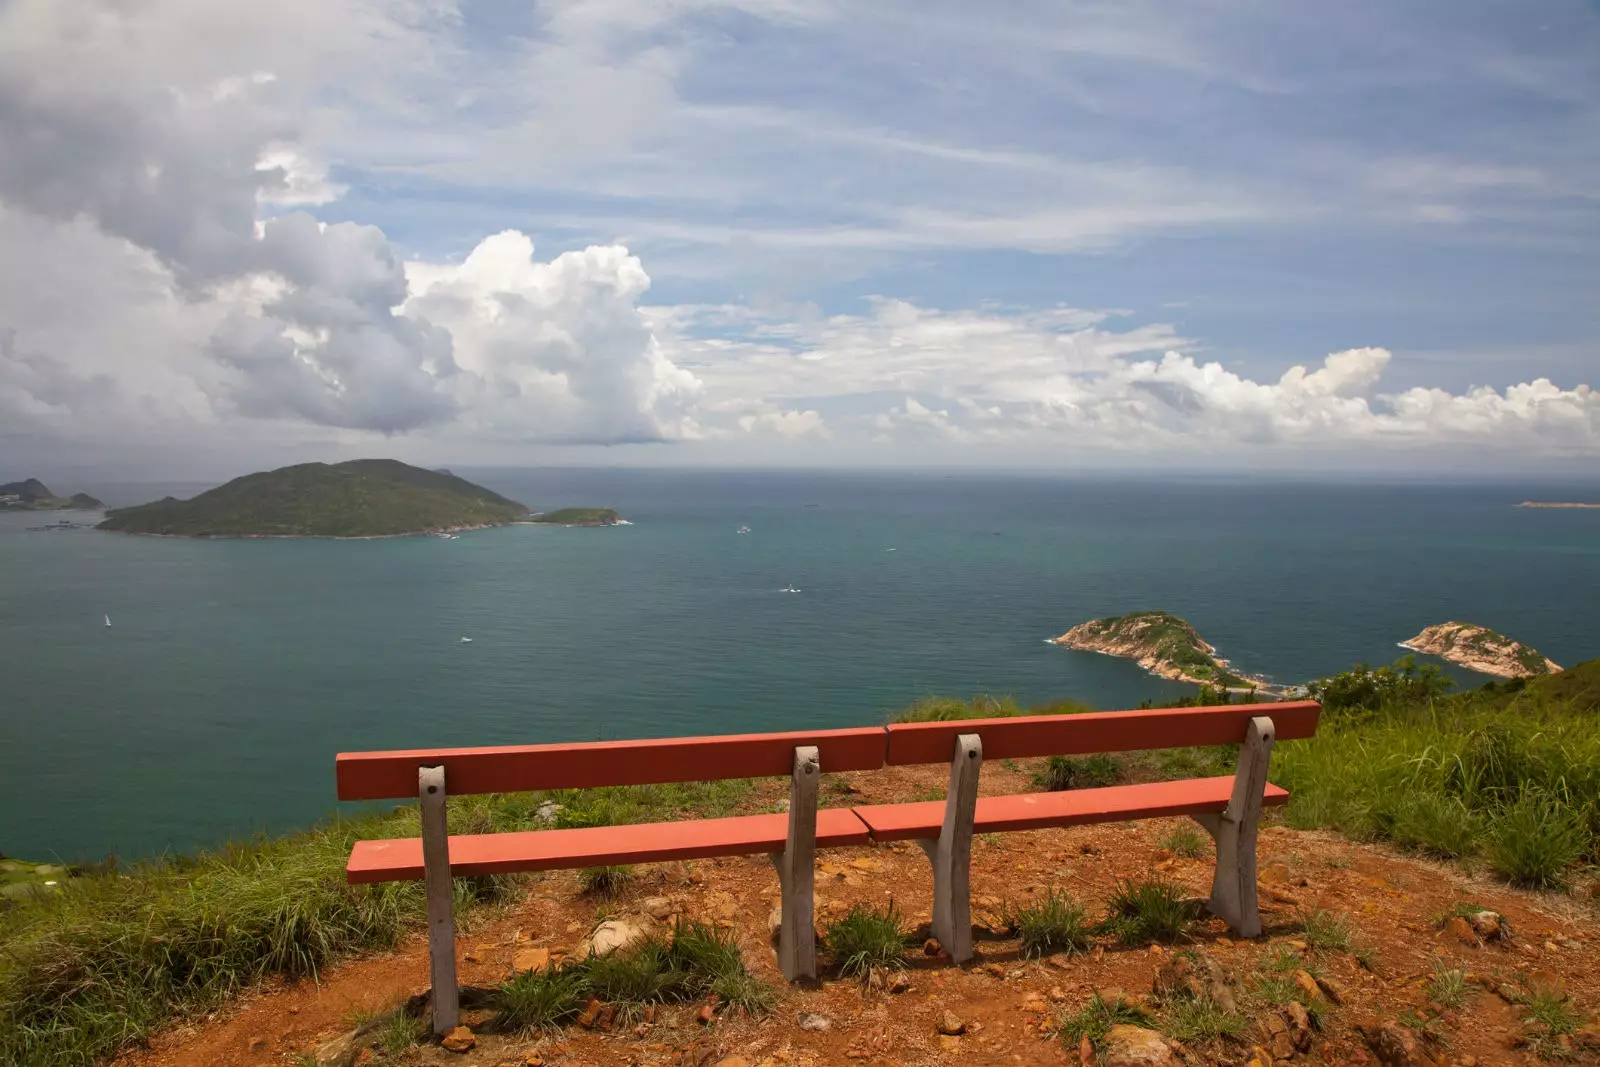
[1153, 910]
[1054, 924]
[1328, 931]
[1193, 1019]
[1088, 772]
[1438, 825]
[1365, 688]
[1448, 986]
[866, 938]
[540, 1000]
[1535, 839]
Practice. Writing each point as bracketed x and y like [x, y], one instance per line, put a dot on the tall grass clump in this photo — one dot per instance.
[1054, 924]
[1061, 773]
[865, 939]
[982, 706]
[1152, 910]
[1536, 839]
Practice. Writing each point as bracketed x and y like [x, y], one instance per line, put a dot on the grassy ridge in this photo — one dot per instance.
[360, 498]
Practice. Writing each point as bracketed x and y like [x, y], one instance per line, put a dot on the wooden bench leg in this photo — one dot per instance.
[441, 916]
[797, 874]
[1233, 888]
[952, 852]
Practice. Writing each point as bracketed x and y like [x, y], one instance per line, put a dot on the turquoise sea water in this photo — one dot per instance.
[234, 670]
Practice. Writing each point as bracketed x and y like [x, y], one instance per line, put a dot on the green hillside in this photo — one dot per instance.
[359, 498]
[34, 495]
[579, 517]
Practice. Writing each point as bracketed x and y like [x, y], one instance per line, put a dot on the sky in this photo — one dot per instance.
[1054, 236]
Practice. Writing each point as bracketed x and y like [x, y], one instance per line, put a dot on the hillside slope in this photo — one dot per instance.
[359, 498]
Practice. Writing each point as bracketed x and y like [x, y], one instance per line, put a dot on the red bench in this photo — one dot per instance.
[1228, 807]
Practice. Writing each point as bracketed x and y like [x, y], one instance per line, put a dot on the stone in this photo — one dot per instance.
[1461, 930]
[733, 1061]
[1278, 1036]
[864, 864]
[1273, 874]
[547, 812]
[1546, 983]
[814, 1022]
[1393, 1044]
[1489, 925]
[612, 935]
[1036, 1004]
[1134, 1046]
[658, 908]
[705, 1014]
[900, 983]
[1308, 986]
[950, 1023]
[591, 1013]
[1197, 975]
[949, 1043]
[338, 1052]
[460, 1039]
[531, 959]
[994, 970]
[1259, 1057]
[931, 947]
[1085, 1051]
[1299, 1026]
[256, 1044]
[1333, 989]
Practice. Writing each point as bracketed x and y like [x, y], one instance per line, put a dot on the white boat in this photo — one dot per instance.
[108, 620]
[466, 640]
[742, 530]
[789, 589]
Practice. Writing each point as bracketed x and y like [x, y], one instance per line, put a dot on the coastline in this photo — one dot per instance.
[313, 537]
[1169, 672]
[1570, 505]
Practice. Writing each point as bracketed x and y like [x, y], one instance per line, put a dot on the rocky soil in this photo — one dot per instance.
[1480, 649]
[1370, 1003]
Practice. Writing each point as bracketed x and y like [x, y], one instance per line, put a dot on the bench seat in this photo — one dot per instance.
[400, 859]
[1073, 807]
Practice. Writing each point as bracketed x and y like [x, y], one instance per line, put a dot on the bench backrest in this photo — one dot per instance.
[524, 768]
[1100, 731]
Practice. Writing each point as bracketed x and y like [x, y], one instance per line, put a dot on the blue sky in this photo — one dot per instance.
[900, 231]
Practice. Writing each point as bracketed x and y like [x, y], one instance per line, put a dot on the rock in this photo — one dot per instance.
[814, 1022]
[531, 959]
[1278, 1036]
[547, 812]
[461, 1039]
[338, 1052]
[1546, 983]
[1299, 1026]
[591, 1013]
[1036, 1004]
[1333, 989]
[1273, 874]
[1587, 1038]
[1308, 986]
[931, 947]
[1196, 974]
[994, 970]
[1259, 1057]
[949, 1043]
[705, 1014]
[658, 908]
[864, 864]
[1134, 1046]
[1489, 925]
[256, 1044]
[1461, 930]
[950, 1023]
[733, 1061]
[612, 935]
[900, 983]
[1393, 1044]
[1085, 1051]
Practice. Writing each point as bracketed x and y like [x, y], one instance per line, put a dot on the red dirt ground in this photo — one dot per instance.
[1395, 903]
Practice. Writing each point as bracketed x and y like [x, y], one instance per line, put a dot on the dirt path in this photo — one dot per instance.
[1008, 1003]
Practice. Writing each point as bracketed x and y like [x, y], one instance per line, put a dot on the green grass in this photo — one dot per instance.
[1199, 1019]
[1325, 930]
[1054, 924]
[1547, 1017]
[1061, 773]
[1507, 775]
[1155, 909]
[1095, 1019]
[982, 706]
[1185, 841]
[604, 882]
[579, 517]
[866, 938]
[695, 962]
[113, 956]
[1448, 986]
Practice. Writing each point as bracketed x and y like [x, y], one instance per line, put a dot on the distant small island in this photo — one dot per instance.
[1556, 504]
[1163, 644]
[34, 495]
[579, 517]
[1480, 649]
[358, 498]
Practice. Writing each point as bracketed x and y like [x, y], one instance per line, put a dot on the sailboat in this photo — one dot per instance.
[789, 589]
[108, 620]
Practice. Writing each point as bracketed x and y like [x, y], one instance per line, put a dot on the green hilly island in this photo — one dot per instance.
[358, 498]
[33, 495]
[579, 517]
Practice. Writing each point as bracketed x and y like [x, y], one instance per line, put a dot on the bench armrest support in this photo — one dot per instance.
[438, 884]
[797, 874]
[1233, 887]
[951, 854]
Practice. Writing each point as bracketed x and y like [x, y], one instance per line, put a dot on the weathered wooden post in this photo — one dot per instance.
[1233, 887]
[797, 937]
[438, 885]
[952, 852]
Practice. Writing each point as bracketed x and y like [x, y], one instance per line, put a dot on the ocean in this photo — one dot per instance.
[232, 672]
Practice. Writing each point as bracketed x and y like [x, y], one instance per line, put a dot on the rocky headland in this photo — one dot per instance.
[1163, 644]
[1480, 649]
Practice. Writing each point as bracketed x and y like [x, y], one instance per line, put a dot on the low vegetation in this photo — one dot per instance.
[1154, 909]
[578, 517]
[867, 939]
[1506, 775]
[1096, 1018]
[1054, 924]
[112, 955]
[694, 962]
